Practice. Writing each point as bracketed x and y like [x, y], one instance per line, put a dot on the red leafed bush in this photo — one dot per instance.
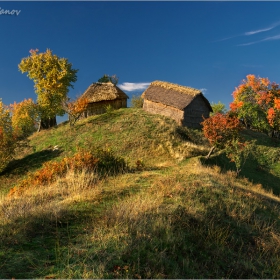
[220, 128]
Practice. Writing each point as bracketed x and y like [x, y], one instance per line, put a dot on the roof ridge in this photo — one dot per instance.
[100, 83]
[179, 88]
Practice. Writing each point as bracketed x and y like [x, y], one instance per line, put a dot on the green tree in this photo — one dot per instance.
[137, 101]
[218, 108]
[106, 79]
[52, 78]
[238, 151]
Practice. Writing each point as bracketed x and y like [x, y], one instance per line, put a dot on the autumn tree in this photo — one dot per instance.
[7, 141]
[25, 117]
[223, 131]
[273, 110]
[75, 108]
[273, 116]
[52, 78]
[106, 79]
[219, 129]
[255, 101]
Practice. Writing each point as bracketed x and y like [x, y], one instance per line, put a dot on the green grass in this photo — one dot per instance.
[176, 216]
[262, 166]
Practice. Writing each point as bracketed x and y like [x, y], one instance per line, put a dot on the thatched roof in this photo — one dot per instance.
[104, 92]
[172, 94]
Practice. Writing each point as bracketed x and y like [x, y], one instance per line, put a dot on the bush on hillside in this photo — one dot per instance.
[109, 109]
[109, 164]
[102, 162]
[137, 101]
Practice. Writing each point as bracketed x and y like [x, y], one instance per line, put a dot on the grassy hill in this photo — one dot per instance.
[169, 214]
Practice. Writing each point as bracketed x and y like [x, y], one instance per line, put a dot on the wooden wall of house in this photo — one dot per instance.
[159, 108]
[98, 108]
[194, 111]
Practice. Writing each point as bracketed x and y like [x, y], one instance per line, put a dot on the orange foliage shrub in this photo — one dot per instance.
[52, 170]
[75, 108]
[102, 162]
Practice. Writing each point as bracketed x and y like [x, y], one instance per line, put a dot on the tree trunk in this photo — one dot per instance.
[39, 127]
[210, 152]
[48, 122]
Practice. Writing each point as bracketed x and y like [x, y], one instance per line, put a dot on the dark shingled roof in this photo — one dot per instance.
[172, 94]
[104, 92]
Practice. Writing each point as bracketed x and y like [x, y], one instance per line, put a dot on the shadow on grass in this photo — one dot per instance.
[190, 134]
[42, 245]
[180, 244]
[252, 170]
[33, 251]
[30, 162]
[153, 244]
[261, 138]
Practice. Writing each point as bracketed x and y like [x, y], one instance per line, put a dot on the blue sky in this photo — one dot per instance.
[210, 46]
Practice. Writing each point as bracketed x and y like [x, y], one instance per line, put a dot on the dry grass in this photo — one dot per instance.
[51, 199]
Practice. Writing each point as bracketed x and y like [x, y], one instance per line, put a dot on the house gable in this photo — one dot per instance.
[195, 112]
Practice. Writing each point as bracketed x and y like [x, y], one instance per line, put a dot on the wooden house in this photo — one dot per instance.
[186, 105]
[101, 95]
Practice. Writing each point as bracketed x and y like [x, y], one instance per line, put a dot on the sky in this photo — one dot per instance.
[211, 45]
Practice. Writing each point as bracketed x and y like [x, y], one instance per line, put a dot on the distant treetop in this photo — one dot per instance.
[218, 108]
[107, 79]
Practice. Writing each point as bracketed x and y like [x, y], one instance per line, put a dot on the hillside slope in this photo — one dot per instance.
[169, 217]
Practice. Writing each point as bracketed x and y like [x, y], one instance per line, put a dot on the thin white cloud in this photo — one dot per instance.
[276, 37]
[248, 44]
[227, 38]
[203, 90]
[249, 33]
[258, 31]
[262, 30]
[133, 86]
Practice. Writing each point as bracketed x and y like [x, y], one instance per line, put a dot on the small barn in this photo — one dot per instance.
[101, 95]
[186, 105]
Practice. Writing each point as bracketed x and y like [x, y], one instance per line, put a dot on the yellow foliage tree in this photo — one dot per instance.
[52, 78]
[7, 141]
[25, 117]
